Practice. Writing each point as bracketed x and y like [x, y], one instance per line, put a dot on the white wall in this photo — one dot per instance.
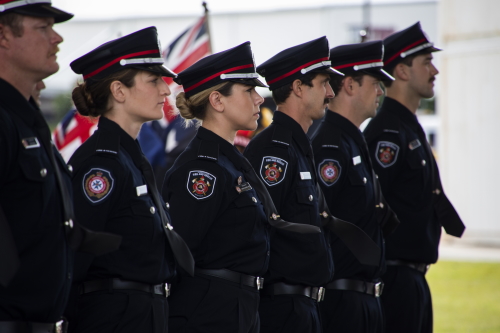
[469, 107]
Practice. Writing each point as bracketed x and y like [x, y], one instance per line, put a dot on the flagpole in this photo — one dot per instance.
[204, 4]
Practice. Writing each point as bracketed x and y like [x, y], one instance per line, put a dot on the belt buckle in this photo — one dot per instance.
[167, 289]
[321, 294]
[377, 289]
[259, 281]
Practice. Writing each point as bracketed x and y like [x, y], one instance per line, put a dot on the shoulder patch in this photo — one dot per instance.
[329, 171]
[386, 153]
[273, 170]
[201, 184]
[97, 184]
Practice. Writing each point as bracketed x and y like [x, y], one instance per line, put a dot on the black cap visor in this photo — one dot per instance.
[157, 69]
[327, 70]
[250, 82]
[379, 73]
[43, 10]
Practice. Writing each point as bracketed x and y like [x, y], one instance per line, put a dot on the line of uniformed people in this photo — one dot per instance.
[240, 242]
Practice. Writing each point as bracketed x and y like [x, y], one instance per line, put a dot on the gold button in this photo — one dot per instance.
[376, 176]
[167, 204]
[274, 216]
[311, 198]
[152, 210]
[364, 180]
[324, 214]
[43, 172]
[437, 191]
[70, 168]
[381, 205]
[423, 162]
[253, 199]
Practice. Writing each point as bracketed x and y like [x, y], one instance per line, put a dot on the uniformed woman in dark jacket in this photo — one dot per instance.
[115, 191]
[213, 203]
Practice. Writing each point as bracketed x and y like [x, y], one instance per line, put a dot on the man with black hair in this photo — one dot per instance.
[351, 189]
[300, 264]
[409, 176]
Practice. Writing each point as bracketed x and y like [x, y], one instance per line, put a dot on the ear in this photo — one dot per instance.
[402, 72]
[349, 85]
[297, 88]
[215, 99]
[5, 35]
[118, 91]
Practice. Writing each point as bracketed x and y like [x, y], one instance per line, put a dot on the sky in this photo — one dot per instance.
[100, 9]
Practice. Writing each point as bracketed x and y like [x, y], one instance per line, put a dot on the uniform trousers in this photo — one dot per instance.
[406, 301]
[121, 311]
[213, 305]
[289, 314]
[346, 311]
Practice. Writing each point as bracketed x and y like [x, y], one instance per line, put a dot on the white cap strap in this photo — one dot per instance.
[21, 3]
[370, 65]
[135, 61]
[416, 49]
[316, 65]
[239, 76]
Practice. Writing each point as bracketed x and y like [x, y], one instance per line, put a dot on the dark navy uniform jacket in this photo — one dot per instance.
[282, 155]
[345, 176]
[31, 201]
[111, 195]
[410, 182]
[224, 228]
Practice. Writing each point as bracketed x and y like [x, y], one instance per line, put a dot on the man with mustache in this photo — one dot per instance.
[351, 190]
[300, 264]
[408, 173]
[37, 227]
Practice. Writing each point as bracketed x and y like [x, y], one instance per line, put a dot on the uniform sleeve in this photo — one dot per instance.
[97, 187]
[195, 193]
[273, 165]
[332, 170]
[386, 152]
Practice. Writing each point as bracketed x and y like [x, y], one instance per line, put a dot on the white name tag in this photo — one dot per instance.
[142, 190]
[356, 160]
[305, 175]
[30, 143]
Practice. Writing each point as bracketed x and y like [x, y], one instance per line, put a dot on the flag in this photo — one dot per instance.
[71, 132]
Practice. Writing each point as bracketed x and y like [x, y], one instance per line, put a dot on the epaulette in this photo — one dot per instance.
[282, 136]
[107, 143]
[331, 139]
[208, 151]
[391, 125]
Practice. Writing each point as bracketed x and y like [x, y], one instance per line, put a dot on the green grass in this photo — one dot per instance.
[466, 297]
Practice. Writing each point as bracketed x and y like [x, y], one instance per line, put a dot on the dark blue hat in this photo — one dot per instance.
[37, 8]
[294, 62]
[406, 42]
[140, 50]
[236, 65]
[360, 58]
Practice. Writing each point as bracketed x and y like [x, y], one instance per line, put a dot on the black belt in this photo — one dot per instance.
[369, 288]
[281, 288]
[119, 284]
[421, 267]
[226, 274]
[30, 327]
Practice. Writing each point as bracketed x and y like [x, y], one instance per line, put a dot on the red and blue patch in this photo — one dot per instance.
[386, 153]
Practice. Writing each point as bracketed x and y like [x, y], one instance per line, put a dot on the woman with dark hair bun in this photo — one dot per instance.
[115, 191]
[217, 201]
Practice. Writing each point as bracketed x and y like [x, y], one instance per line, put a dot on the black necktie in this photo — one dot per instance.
[359, 243]
[273, 218]
[179, 248]
[78, 237]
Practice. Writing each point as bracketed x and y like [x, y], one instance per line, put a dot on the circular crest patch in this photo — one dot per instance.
[273, 170]
[97, 184]
[386, 153]
[201, 184]
[329, 171]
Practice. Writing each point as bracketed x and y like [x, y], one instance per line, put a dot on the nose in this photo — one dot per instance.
[329, 91]
[164, 89]
[258, 100]
[56, 38]
[434, 70]
[380, 92]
